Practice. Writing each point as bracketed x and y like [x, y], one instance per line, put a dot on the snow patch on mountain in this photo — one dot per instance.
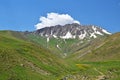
[48, 39]
[94, 28]
[106, 31]
[67, 36]
[97, 32]
[54, 36]
[82, 36]
[58, 47]
[93, 35]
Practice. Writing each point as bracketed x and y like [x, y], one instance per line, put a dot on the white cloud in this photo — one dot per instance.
[53, 19]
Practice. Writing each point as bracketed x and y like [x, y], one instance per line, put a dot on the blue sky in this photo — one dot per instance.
[21, 15]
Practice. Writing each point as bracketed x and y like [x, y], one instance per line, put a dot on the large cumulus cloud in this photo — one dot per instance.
[53, 19]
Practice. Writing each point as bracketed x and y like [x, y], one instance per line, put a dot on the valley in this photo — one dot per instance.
[28, 56]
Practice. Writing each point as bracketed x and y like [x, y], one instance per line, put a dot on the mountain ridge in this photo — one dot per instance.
[67, 39]
[72, 31]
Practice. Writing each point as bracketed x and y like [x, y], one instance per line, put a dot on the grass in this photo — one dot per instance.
[92, 70]
[110, 50]
[67, 46]
[36, 60]
[27, 58]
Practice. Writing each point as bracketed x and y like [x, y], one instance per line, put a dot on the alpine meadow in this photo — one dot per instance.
[58, 46]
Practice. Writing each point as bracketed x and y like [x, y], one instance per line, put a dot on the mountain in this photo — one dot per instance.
[33, 56]
[72, 31]
[67, 39]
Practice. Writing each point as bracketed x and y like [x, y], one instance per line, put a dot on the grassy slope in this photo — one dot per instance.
[26, 60]
[109, 50]
[20, 59]
[97, 63]
[103, 59]
[66, 47]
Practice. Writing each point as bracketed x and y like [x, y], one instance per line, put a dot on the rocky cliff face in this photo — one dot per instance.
[72, 31]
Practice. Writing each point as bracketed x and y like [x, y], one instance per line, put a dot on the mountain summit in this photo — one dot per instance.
[72, 31]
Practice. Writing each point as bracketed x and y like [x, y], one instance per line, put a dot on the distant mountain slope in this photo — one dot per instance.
[67, 39]
[105, 50]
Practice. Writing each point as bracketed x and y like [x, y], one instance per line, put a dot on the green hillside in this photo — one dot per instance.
[60, 47]
[103, 58]
[23, 60]
[109, 50]
[25, 56]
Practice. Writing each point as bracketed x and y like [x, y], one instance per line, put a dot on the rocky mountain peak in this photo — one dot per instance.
[72, 31]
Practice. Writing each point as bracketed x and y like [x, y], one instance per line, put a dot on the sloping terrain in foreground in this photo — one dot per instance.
[23, 59]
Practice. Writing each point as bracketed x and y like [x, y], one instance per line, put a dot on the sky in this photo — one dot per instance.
[22, 15]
